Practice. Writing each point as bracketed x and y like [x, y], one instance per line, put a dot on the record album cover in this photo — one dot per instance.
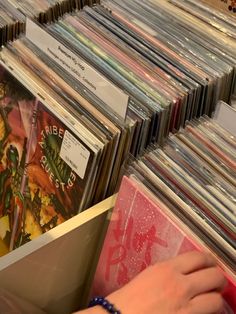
[140, 234]
[41, 186]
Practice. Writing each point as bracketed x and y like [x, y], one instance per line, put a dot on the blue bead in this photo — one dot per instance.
[104, 303]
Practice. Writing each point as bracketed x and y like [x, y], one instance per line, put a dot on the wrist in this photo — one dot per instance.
[93, 310]
[98, 310]
[105, 304]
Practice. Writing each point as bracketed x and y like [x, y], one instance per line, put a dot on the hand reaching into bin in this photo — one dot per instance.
[187, 284]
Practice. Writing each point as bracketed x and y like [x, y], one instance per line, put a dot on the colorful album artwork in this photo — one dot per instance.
[38, 188]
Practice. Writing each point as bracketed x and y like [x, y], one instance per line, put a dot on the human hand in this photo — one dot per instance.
[187, 284]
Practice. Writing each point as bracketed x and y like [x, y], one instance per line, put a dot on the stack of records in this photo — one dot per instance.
[60, 149]
[79, 95]
[59, 152]
[13, 13]
[219, 20]
[174, 66]
[12, 22]
[173, 200]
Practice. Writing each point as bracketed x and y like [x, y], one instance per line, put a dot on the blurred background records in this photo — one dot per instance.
[174, 66]
[187, 42]
[11, 22]
[13, 13]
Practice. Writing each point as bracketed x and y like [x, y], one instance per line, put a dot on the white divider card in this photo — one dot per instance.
[110, 94]
[225, 116]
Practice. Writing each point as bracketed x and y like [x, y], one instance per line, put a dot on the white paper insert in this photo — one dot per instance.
[104, 89]
[74, 154]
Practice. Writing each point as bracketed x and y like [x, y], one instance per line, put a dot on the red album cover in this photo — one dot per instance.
[141, 234]
[38, 188]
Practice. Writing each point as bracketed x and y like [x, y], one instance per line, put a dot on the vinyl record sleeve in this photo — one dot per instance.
[149, 23]
[42, 184]
[214, 141]
[155, 77]
[151, 234]
[186, 211]
[180, 203]
[158, 120]
[219, 131]
[190, 141]
[181, 154]
[157, 60]
[82, 108]
[195, 192]
[119, 68]
[211, 17]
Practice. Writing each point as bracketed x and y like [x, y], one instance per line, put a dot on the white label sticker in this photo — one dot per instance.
[104, 89]
[74, 154]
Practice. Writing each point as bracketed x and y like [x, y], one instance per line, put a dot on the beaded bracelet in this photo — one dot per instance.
[105, 304]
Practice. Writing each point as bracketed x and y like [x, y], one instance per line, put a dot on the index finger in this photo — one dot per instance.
[193, 261]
